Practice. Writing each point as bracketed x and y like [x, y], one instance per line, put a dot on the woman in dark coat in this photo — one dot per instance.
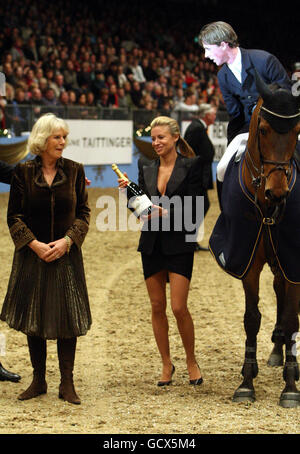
[48, 217]
[166, 245]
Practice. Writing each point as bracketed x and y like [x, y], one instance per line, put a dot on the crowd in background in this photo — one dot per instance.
[104, 55]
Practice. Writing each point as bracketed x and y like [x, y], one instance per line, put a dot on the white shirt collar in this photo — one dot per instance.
[203, 122]
[236, 66]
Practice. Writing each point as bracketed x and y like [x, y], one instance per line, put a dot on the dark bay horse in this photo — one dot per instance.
[267, 170]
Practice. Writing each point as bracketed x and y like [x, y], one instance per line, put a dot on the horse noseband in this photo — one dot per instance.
[278, 166]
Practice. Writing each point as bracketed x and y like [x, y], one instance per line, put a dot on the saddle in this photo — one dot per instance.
[239, 227]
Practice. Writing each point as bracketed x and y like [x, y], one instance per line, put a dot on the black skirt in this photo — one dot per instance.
[176, 263]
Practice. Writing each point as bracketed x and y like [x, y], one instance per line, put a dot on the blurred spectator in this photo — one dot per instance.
[9, 74]
[90, 99]
[58, 85]
[63, 99]
[189, 103]
[43, 85]
[104, 98]
[124, 100]
[17, 49]
[10, 92]
[84, 77]
[30, 50]
[72, 97]
[36, 101]
[136, 94]
[92, 53]
[137, 71]
[98, 84]
[113, 100]
[2, 113]
[127, 95]
[121, 77]
[20, 112]
[49, 97]
[158, 95]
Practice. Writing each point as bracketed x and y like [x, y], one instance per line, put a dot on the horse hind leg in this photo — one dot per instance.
[290, 396]
[276, 357]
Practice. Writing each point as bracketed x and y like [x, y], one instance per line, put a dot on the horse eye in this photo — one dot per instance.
[263, 131]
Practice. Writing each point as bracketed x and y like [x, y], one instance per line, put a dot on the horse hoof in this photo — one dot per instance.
[244, 395]
[275, 360]
[290, 400]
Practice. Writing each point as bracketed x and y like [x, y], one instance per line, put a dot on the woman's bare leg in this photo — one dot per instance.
[156, 286]
[179, 287]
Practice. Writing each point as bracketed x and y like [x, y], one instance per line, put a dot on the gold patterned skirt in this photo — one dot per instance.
[48, 300]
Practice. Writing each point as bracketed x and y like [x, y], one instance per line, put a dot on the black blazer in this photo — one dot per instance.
[197, 137]
[184, 181]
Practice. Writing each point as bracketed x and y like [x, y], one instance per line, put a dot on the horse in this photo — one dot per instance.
[267, 174]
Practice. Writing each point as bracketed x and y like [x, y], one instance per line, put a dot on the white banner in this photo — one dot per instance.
[93, 142]
[217, 134]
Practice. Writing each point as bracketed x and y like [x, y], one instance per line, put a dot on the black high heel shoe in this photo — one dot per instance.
[197, 381]
[167, 383]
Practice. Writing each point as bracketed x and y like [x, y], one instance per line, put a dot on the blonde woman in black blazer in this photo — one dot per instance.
[167, 255]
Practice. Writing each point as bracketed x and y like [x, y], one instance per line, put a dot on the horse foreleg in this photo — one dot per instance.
[276, 356]
[252, 317]
[290, 396]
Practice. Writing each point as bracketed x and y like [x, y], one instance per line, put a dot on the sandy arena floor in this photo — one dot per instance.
[117, 364]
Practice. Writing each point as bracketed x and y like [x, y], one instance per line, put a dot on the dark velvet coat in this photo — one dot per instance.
[37, 211]
[47, 300]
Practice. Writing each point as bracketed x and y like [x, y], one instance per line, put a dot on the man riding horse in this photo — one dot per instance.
[259, 224]
[237, 83]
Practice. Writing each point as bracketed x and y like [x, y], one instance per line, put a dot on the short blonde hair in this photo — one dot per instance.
[173, 126]
[44, 127]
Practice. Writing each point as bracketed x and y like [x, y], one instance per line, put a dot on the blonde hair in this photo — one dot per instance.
[45, 126]
[173, 126]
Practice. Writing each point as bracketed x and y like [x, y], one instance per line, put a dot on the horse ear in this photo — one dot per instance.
[262, 87]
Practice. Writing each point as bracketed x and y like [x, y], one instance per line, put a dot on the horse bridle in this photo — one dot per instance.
[278, 166]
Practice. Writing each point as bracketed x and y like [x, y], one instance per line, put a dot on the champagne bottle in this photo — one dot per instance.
[138, 201]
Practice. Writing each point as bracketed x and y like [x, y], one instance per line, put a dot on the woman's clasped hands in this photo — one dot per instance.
[51, 251]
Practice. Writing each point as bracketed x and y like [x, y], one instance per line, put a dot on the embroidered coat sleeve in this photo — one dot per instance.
[80, 226]
[19, 231]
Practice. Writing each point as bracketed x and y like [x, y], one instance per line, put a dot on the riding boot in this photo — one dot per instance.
[66, 355]
[219, 192]
[38, 354]
[5, 375]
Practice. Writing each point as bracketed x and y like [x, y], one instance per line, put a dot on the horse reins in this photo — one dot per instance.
[278, 166]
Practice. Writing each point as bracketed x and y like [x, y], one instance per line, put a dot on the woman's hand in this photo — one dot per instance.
[156, 212]
[123, 183]
[39, 248]
[51, 251]
[58, 248]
